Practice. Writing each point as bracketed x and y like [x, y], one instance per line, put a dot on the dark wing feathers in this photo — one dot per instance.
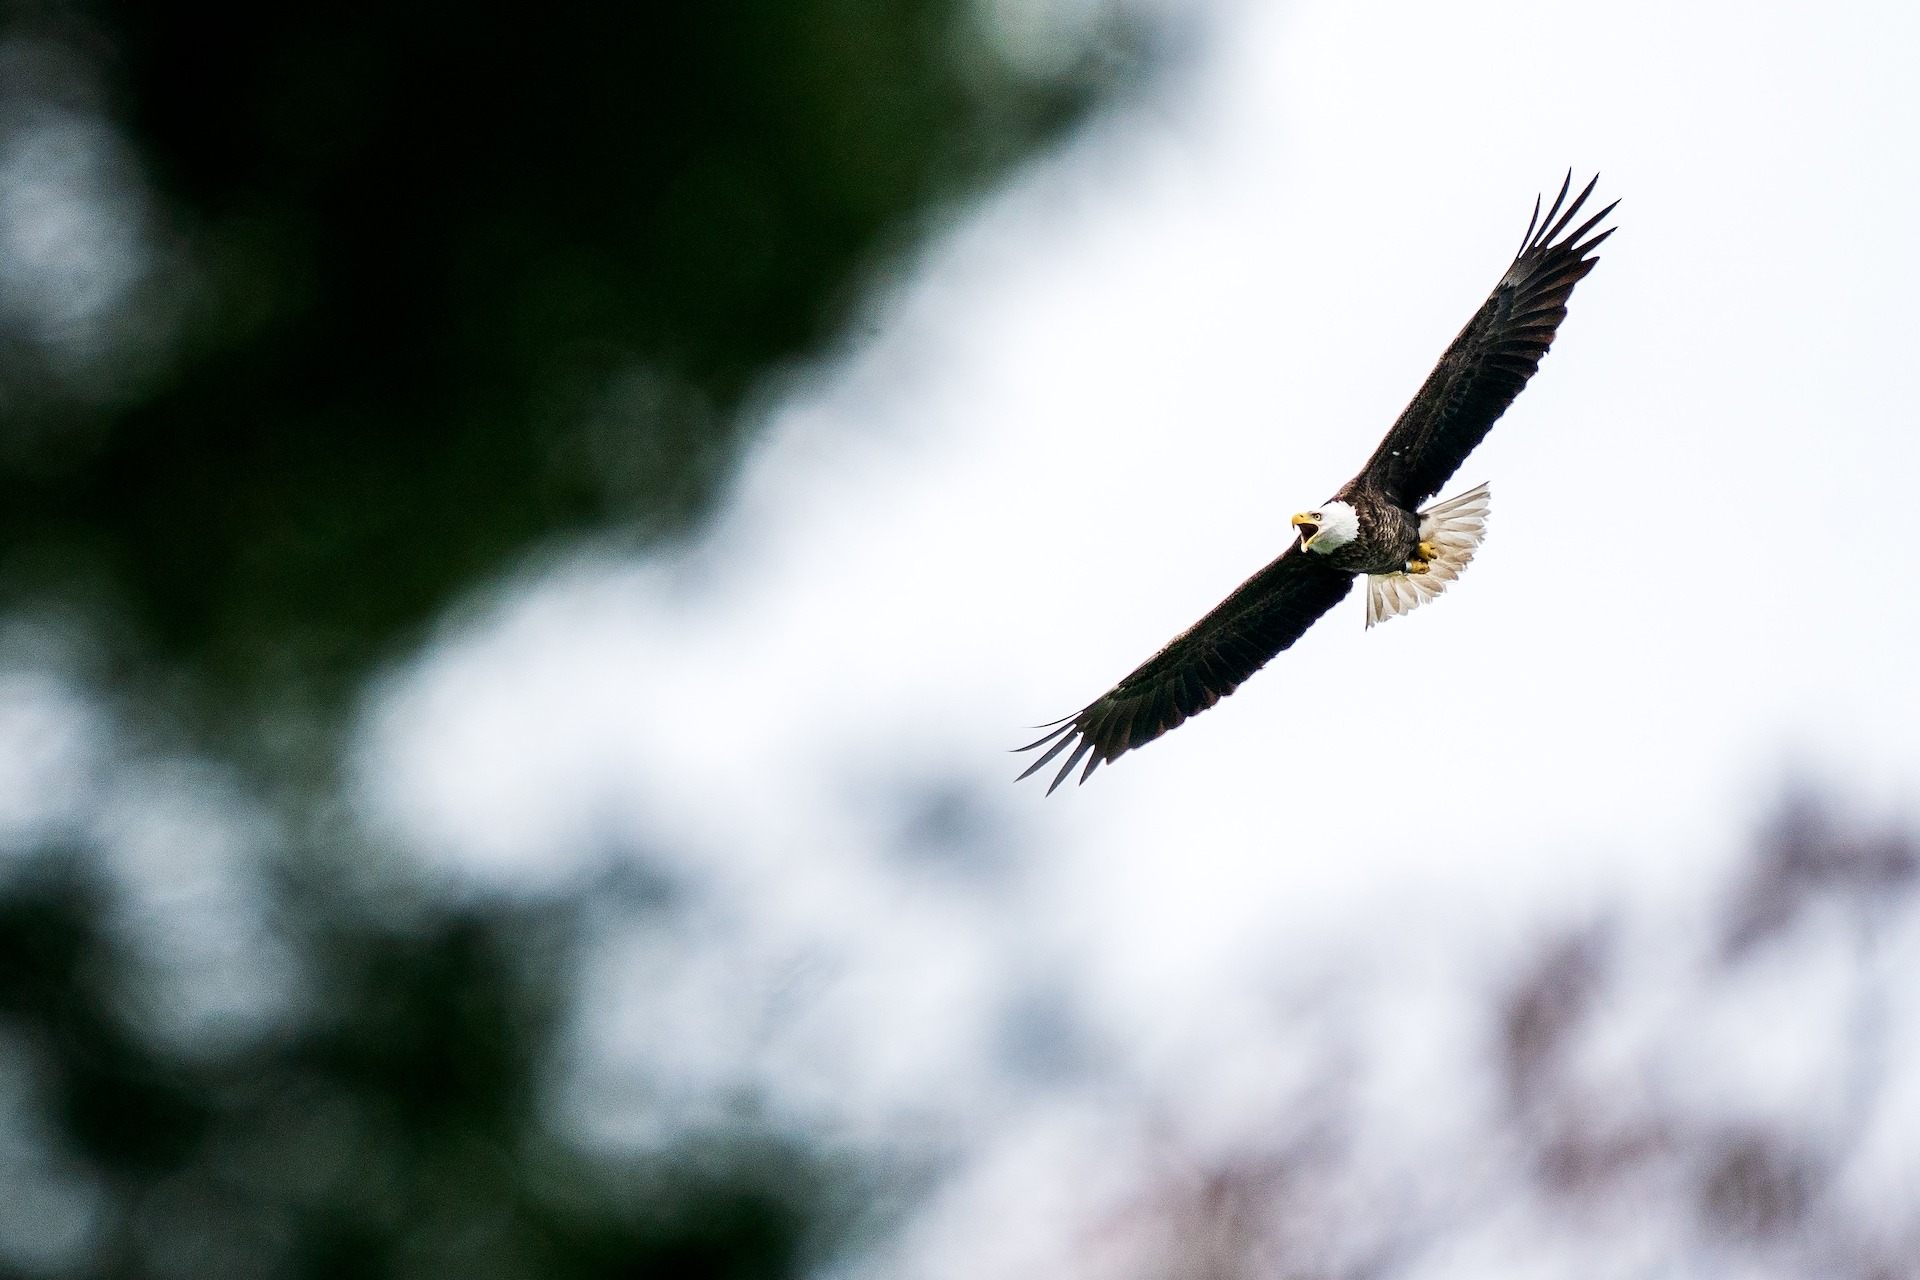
[1493, 357]
[1469, 389]
[1207, 662]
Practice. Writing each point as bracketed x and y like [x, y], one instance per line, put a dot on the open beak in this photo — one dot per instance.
[1307, 529]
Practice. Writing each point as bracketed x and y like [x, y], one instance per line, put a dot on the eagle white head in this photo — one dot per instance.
[1329, 527]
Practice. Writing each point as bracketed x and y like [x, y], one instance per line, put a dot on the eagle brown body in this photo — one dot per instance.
[1373, 526]
[1388, 534]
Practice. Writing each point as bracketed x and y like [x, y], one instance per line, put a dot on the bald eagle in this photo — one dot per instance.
[1373, 526]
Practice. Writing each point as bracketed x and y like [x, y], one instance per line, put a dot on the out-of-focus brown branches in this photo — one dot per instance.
[1593, 1158]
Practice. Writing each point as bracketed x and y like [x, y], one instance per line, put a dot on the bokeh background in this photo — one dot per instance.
[526, 534]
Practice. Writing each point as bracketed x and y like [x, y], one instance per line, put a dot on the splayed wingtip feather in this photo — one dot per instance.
[1086, 744]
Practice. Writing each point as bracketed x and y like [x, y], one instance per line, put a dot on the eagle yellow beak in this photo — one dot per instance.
[1308, 527]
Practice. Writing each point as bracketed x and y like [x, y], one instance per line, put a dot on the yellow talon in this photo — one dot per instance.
[1426, 551]
[1417, 566]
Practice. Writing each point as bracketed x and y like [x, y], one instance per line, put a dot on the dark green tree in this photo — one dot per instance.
[427, 290]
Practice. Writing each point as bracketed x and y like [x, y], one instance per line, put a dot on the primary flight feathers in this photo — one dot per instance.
[1372, 526]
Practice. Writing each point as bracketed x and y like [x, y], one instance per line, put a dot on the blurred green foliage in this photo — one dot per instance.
[390, 1125]
[427, 288]
[453, 281]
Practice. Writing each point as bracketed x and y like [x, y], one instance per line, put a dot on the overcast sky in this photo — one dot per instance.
[1088, 413]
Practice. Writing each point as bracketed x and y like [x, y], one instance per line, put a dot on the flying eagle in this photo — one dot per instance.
[1373, 525]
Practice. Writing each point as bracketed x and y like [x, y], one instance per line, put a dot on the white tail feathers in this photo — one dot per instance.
[1453, 529]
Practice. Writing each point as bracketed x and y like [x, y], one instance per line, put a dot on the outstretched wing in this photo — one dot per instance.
[1491, 360]
[1268, 612]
